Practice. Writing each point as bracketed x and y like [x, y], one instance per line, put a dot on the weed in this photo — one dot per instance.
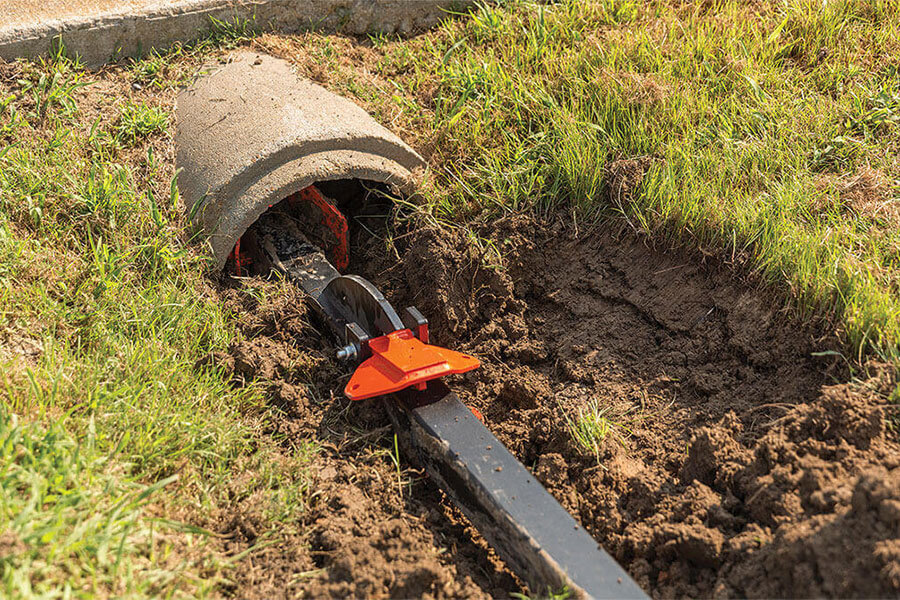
[230, 32]
[836, 155]
[591, 426]
[51, 85]
[150, 70]
[10, 120]
[876, 113]
[138, 121]
[561, 594]
[395, 458]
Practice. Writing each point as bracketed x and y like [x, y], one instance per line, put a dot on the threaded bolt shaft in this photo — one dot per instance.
[348, 352]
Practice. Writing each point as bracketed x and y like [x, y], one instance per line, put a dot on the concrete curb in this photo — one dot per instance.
[250, 133]
[101, 37]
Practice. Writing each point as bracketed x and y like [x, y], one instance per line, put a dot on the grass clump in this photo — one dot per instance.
[561, 594]
[50, 86]
[138, 121]
[591, 426]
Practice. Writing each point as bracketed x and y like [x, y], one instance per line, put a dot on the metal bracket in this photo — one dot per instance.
[357, 344]
[416, 321]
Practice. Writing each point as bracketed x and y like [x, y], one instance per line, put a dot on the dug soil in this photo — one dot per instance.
[733, 460]
[372, 527]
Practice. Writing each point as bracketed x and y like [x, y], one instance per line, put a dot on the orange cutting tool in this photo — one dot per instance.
[400, 360]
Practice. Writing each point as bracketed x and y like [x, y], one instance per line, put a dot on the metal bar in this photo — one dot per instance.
[532, 533]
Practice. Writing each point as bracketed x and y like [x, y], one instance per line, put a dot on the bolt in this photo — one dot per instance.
[348, 352]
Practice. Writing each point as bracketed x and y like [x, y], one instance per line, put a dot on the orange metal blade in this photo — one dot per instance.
[335, 221]
[400, 360]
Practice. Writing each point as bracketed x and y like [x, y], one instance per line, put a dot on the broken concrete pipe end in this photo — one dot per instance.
[250, 133]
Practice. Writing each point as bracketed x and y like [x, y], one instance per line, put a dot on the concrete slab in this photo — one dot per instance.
[23, 13]
[250, 133]
[100, 30]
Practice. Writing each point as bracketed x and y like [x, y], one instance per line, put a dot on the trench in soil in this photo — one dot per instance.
[732, 465]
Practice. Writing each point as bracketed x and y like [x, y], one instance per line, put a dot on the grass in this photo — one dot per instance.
[562, 594]
[763, 134]
[68, 516]
[591, 426]
[740, 116]
[109, 416]
[138, 121]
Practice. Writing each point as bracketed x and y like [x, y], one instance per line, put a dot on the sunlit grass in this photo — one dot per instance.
[745, 111]
[67, 515]
[138, 121]
[107, 321]
[750, 120]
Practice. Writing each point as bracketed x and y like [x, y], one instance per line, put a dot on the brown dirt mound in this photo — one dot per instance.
[730, 469]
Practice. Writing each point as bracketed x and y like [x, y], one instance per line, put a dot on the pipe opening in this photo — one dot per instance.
[333, 216]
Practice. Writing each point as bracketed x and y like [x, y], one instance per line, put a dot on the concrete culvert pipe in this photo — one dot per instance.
[251, 133]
